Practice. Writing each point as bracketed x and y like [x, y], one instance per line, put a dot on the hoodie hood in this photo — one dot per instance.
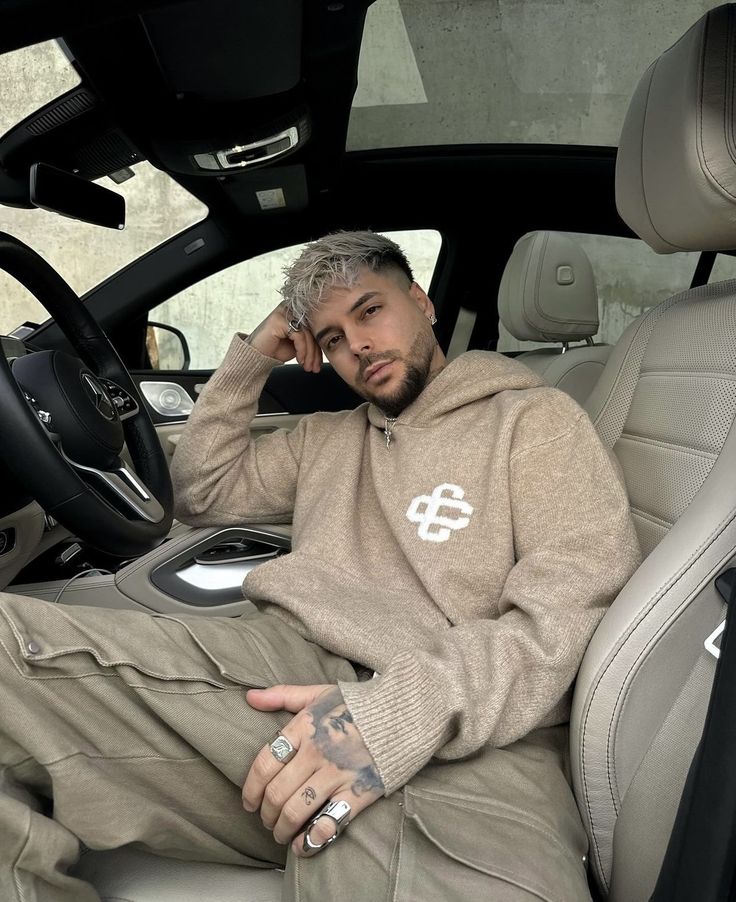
[468, 378]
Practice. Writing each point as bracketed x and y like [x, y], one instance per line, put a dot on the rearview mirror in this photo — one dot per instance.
[70, 195]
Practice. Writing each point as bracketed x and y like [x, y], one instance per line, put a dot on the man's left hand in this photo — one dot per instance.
[331, 762]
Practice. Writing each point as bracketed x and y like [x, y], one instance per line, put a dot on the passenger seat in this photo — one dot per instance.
[548, 294]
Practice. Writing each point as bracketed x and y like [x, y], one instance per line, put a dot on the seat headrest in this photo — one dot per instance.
[676, 164]
[547, 290]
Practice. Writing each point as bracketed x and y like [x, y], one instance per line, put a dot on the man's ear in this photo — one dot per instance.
[421, 299]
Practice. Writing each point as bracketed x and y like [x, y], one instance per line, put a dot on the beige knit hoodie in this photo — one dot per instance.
[467, 562]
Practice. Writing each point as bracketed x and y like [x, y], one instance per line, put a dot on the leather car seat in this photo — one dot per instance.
[548, 294]
[665, 404]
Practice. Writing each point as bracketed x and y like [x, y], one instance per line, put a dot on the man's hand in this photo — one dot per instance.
[274, 339]
[331, 762]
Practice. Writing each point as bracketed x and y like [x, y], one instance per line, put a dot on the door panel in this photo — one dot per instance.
[288, 390]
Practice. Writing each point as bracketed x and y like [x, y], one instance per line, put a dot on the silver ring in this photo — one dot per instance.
[336, 809]
[294, 326]
[282, 750]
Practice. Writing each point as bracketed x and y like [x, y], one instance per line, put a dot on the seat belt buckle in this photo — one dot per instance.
[710, 642]
[726, 587]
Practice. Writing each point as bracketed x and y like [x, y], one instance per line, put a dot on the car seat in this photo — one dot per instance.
[665, 404]
[548, 294]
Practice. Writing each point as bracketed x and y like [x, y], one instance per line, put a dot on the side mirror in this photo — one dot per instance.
[167, 348]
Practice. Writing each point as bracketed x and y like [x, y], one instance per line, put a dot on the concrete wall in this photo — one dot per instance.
[431, 71]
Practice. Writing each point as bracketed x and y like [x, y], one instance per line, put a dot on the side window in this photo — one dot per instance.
[239, 298]
[630, 278]
[724, 268]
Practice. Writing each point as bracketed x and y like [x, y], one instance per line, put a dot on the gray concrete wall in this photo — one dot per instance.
[431, 71]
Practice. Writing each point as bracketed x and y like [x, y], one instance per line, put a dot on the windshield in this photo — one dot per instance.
[85, 255]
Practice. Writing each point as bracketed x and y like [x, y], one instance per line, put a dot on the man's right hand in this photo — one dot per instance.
[273, 339]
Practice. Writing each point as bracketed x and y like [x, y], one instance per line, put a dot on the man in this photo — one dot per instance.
[455, 542]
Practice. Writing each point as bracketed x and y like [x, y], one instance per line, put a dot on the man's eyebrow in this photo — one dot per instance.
[364, 298]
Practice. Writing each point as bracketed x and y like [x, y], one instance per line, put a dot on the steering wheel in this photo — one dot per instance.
[64, 419]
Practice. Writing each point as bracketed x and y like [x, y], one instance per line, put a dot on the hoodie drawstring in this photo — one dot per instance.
[387, 430]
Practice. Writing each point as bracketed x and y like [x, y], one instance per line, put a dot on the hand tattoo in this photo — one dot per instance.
[336, 736]
[309, 795]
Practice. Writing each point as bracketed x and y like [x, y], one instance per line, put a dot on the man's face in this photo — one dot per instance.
[378, 338]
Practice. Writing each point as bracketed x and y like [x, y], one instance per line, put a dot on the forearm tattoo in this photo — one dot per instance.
[337, 737]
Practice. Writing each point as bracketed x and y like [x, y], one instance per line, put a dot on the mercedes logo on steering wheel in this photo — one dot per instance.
[98, 396]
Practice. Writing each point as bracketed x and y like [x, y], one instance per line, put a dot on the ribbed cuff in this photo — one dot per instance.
[401, 717]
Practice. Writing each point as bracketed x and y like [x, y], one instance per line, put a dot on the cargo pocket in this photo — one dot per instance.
[56, 642]
[458, 848]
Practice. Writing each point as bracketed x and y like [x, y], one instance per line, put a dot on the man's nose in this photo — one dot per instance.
[360, 344]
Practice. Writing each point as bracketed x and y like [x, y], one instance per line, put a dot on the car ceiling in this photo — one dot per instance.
[164, 81]
[175, 80]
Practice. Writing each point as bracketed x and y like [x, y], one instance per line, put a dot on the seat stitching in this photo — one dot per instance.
[690, 374]
[638, 512]
[670, 446]
[662, 590]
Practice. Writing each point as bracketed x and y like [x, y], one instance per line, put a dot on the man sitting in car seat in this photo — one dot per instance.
[456, 540]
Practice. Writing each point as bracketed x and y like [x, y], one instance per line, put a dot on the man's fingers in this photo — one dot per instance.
[284, 698]
[282, 791]
[324, 827]
[264, 768]
[307, 351]
[301, 805]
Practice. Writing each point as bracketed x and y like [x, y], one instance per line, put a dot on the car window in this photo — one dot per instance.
[157, 207]
[630, 278]
[237, 299]
[724, 268]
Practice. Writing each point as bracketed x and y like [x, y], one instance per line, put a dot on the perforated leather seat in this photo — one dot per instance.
[665, 404]
[548, 294]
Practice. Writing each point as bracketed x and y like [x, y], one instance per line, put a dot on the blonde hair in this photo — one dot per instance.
[334, 260]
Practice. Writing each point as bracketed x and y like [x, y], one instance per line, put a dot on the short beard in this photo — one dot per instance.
[418, 363]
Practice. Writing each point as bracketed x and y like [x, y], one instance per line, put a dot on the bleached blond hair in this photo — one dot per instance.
[336, 260]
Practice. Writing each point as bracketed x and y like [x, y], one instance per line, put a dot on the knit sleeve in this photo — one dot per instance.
[220, 475]
[495, 680]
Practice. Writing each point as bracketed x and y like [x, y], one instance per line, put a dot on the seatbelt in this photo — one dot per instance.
[700, 862]
[703, 269]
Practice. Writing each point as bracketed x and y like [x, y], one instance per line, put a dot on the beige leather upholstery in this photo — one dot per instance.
[548, 294]
[666, 404]
[679, 122]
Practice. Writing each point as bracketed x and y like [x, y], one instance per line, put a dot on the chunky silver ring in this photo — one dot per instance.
[336, 809]
[282, 750]
[294, 326]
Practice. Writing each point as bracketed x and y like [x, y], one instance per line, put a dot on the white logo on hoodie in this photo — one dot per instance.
[445, 495]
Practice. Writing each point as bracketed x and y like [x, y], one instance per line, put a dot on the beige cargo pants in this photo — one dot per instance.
[121, 727]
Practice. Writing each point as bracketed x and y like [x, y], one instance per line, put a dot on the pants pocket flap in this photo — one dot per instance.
[55, 641]
[498, 841]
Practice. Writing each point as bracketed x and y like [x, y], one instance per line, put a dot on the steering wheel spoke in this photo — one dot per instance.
[123, 488]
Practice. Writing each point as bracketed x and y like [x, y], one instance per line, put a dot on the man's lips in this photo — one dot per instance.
[376, 369]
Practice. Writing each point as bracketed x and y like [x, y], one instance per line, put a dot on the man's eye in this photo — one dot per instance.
[331, 342]
[369, 311]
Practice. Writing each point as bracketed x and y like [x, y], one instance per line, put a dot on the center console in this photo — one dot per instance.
[195, 571]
